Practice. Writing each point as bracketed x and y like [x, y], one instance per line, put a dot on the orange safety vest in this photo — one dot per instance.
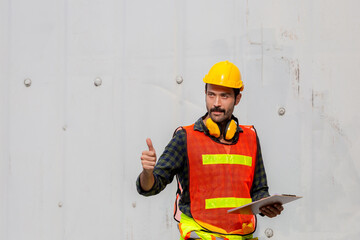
[220, 178]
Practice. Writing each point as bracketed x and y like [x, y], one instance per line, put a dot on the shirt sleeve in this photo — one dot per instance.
[259, 187]
[168, 165]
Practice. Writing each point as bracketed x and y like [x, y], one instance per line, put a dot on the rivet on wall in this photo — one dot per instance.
[60, 204]
[97, 81]
[281, 111]
[27, 82]
[179, 79]
[269, 232]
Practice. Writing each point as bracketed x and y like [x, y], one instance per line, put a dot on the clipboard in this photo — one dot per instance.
[254, 207]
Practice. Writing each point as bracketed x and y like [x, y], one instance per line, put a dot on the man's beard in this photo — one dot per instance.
[224, 119]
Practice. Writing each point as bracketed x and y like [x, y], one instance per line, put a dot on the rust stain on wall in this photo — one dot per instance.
[334, 123]
[319, 100]
[288, 34]
[294, 71]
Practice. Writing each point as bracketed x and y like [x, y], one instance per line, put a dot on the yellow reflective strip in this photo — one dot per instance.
[226, 159]
[230, 202]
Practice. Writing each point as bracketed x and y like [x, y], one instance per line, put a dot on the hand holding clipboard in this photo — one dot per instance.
[254, 207]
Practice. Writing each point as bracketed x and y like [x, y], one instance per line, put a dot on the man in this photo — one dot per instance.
[218, 164]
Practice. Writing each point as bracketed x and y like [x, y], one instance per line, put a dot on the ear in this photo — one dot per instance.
[237, 100]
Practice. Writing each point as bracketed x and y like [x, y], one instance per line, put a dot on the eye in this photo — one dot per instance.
[225, 96]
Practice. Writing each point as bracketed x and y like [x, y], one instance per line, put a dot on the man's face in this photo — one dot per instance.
[220, 102]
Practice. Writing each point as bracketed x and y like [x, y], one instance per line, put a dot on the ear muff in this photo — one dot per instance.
[230, 130]
[214, 129]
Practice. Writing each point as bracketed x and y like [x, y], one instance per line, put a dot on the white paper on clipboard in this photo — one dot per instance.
[254, 207]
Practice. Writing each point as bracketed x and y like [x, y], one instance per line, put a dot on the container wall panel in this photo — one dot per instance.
[84, 83]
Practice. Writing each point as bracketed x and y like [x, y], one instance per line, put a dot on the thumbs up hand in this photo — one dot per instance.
[148, 158]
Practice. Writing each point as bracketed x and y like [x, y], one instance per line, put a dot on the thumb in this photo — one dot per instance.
[150, 145]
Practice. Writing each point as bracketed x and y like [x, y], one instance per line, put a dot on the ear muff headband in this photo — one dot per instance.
[214, 129]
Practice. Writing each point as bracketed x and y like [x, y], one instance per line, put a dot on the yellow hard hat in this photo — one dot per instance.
[224, 74]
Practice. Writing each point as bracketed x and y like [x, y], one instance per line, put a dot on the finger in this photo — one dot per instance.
[148, 158]
[150, 145]
[273, 210]
[266, 212]
[148, 163]
[279, 207]
[148, 166]
[269, 211]
[148, 153]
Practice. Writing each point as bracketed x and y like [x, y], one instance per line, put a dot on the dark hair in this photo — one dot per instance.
[236, 90]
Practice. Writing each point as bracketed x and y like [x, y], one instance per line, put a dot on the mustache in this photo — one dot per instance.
[217, 109]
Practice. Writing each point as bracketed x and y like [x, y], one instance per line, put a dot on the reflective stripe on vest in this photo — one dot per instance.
[220, 178]
[226, 159]
[229, 202]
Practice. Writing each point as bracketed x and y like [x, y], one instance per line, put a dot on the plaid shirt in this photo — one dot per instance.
[174, 161]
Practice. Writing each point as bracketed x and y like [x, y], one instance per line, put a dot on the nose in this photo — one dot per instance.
[217, 102]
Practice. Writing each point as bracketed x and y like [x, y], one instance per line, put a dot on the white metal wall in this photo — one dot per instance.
[69, 150]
